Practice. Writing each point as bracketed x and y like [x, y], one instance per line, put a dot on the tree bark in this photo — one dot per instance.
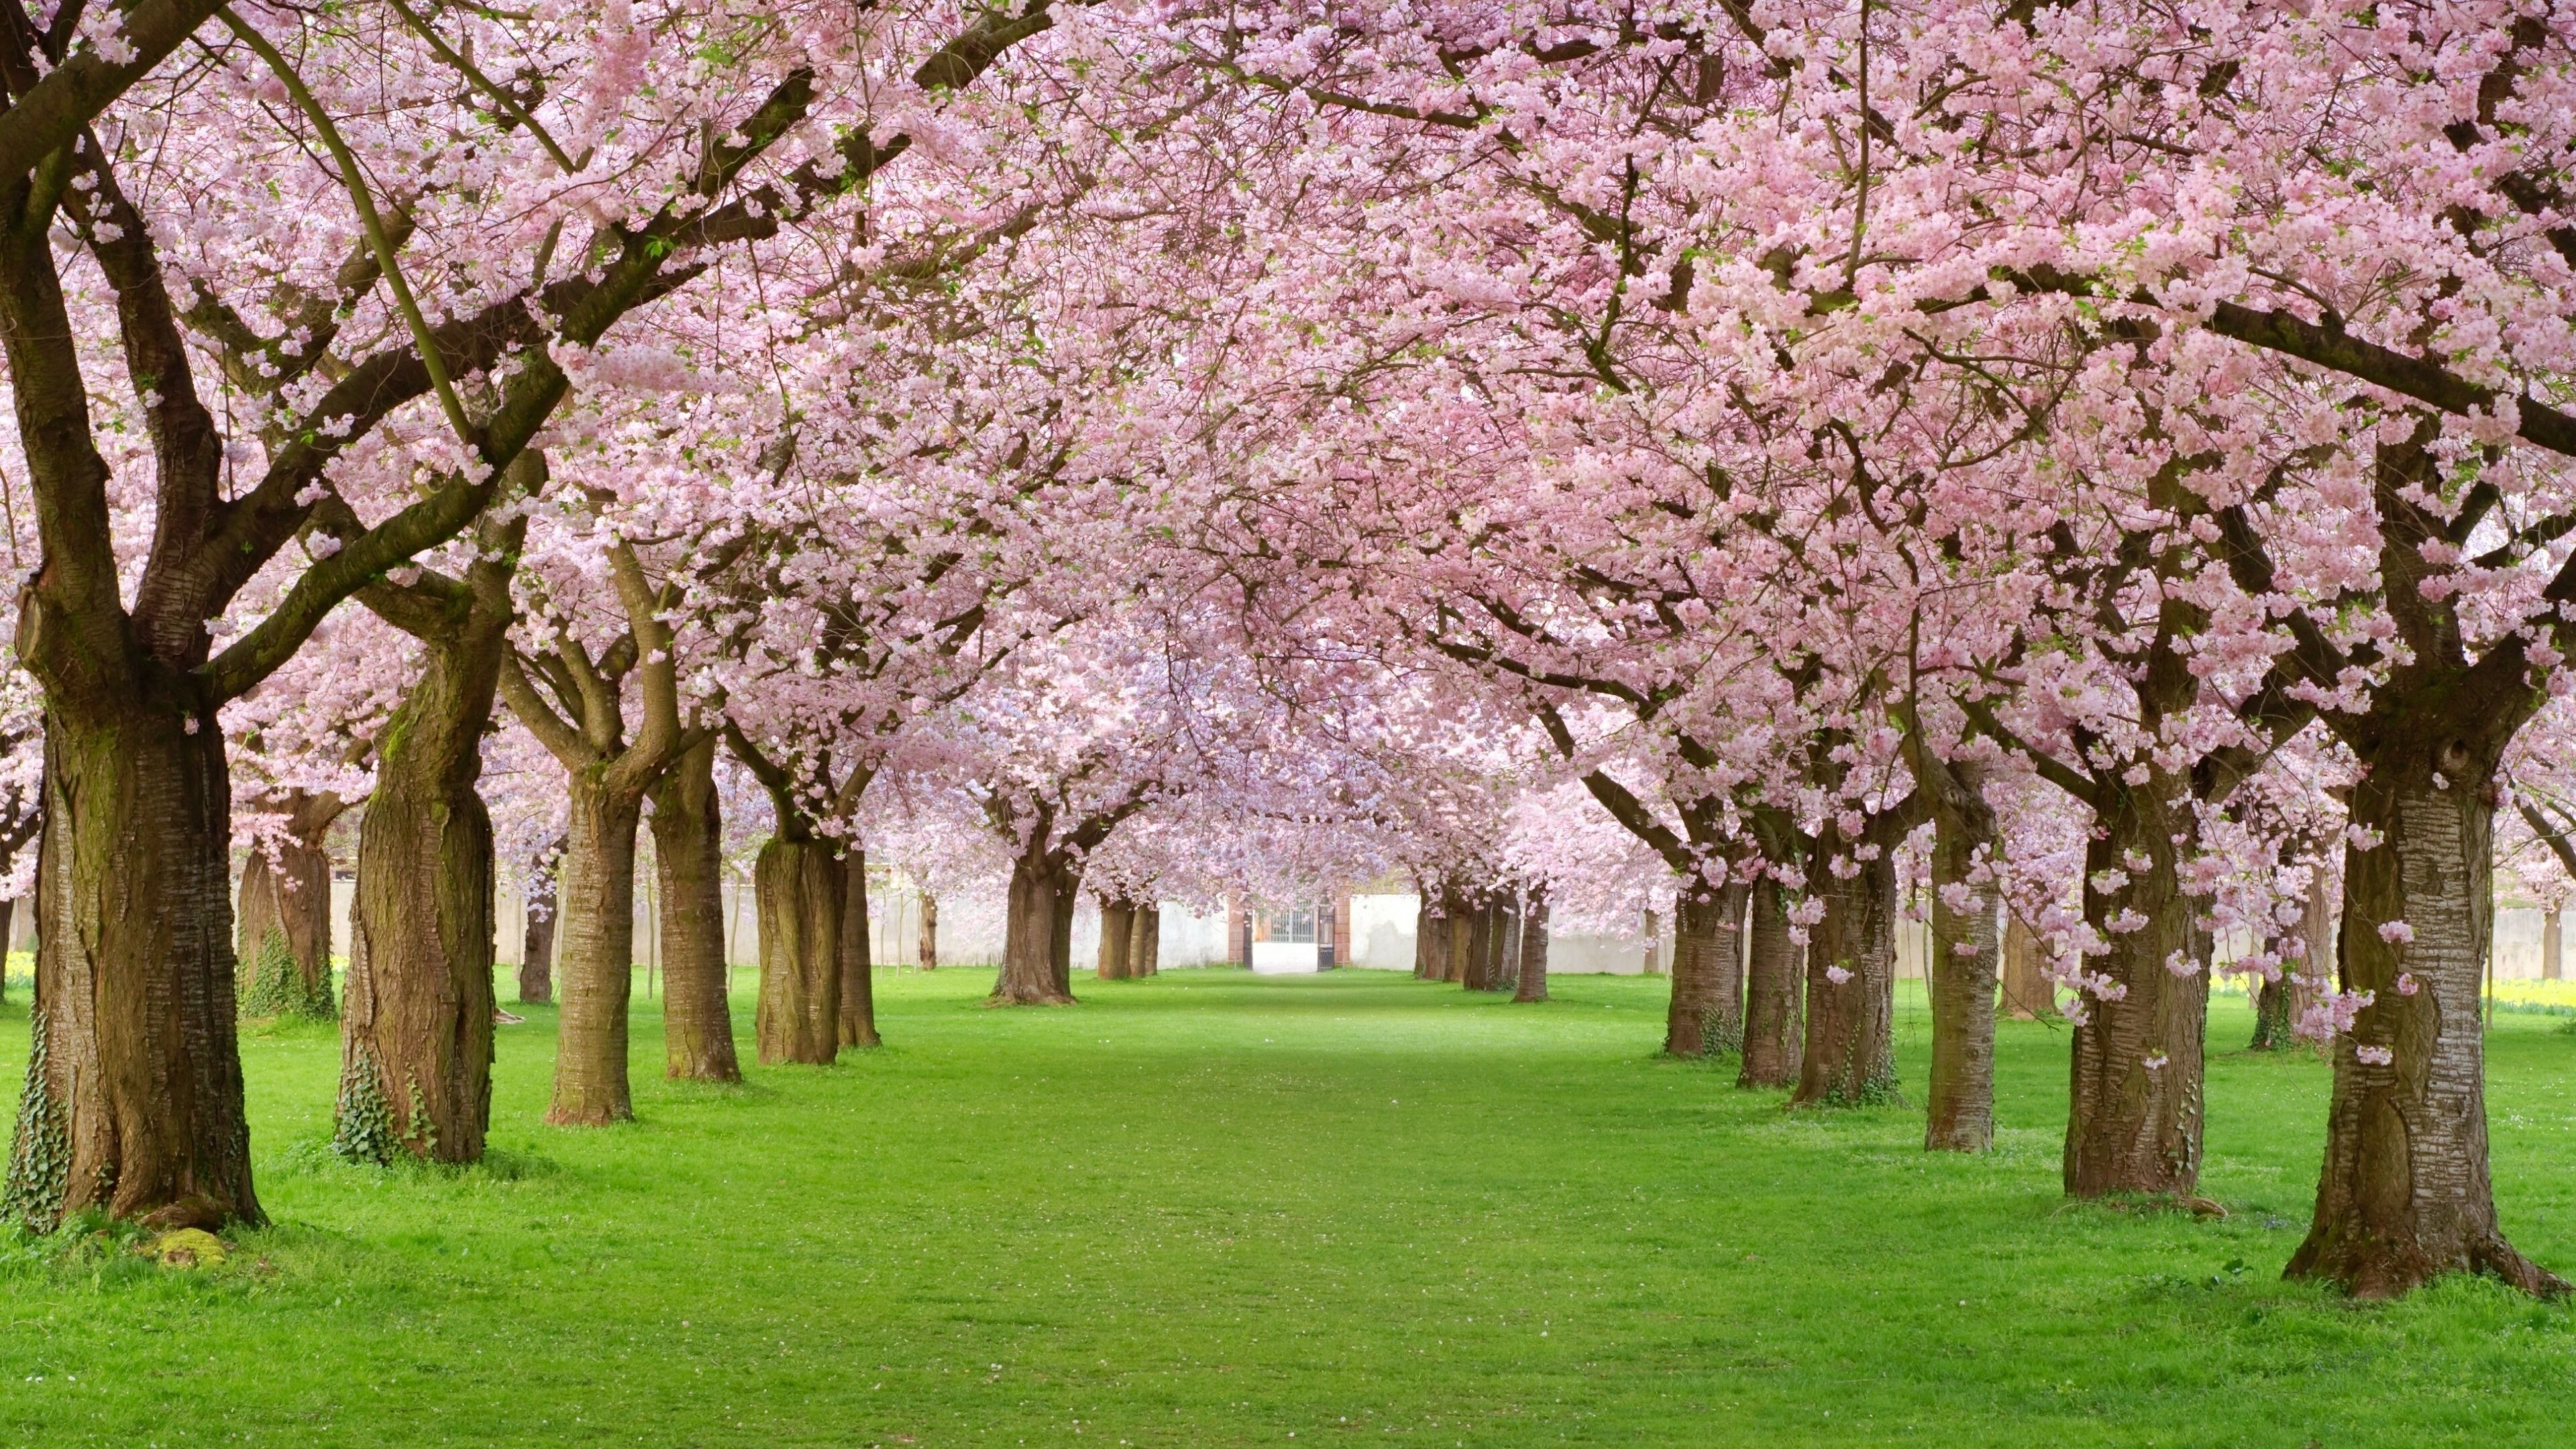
[1654, 944]
[1850, 1055]
[858, 967]
[1774, 1027]
[2027, 994]
[597, 942]
[8, 908]
[133, 1098]
[1117, 932]
[1068, 896]
[1430, 941]
[2552, 961]
[1471, 944]
[799, 884]
[688, 865]
[1145, 950]
[416, 1035]
[1706, 1012]
[2405, 1194]
[1533, 983]
[1960, 977]
[929, 931]
[284, 934]
[537, 941]
[1028, 937]
[2134, 1118]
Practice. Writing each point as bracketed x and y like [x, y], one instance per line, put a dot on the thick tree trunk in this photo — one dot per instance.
[858, 968]
[133, 1097]
[1430, 946]
[1533, 983]
[929, 931]
[597, 949]
[2027, 994]
[2134, 1117]
[1654, 944]
[1774, 1026]
[1851, 977]
[799, 884]
[1706, 1013]
[2283, 1001]
[688, 865]
[2405, 1194]
[537, 942]
[1960, 977]
[2272, 1017]
[1471, 944]
[283, 938]
[1028, 938]
[1117, 933]
[1145, 948]
[416, 1035]
[1503, 943]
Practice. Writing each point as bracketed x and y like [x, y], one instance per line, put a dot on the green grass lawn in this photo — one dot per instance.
[1210, 1210]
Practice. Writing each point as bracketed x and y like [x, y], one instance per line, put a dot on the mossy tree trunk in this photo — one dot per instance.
[688, 863]
[284, 925]
[1775, 984]
[1705, 1015]
[416, 1031]
[1850, 1051]
[133, 1100]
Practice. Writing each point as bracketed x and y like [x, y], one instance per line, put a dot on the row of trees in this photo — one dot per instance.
[1815, 455]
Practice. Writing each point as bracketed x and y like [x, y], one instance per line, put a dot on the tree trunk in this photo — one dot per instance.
[1145, 949]
[858, 967]
[1706, 1013]
[133, 1097]
[1470, 944]
[1533, 983]
[1850, 1055]
[7, 909]
[799, 884]
[1654, 944]
[688, 865]
[284, 934]
[416, 1035]
[1117, 930]
[2405, 1194]
[1774, 984]
[1960, 976]
[929, 931]
[1068, 896]
[1503, 943]
[1430, 944]
[1028, 938]
[2027, 994]
[2134, 1117]
[537, 943]
[2272, 1017]
[598, 949]
[2551, 961]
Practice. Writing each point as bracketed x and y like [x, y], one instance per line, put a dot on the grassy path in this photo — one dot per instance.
[1209, 1210]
